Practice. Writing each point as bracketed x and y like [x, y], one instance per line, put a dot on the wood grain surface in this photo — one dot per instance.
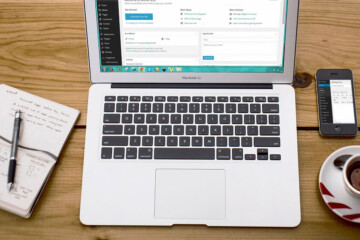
[43, 51]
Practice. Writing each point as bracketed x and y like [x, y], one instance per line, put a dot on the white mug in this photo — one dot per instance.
[349, 165]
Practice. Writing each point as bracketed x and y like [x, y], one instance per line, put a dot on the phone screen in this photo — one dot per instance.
[336, 101]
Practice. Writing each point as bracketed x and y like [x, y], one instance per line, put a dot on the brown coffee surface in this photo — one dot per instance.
[355, 177]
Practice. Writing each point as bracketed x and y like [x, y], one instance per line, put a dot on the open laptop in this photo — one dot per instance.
[191, 116]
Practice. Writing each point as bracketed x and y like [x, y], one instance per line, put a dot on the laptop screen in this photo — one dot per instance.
[191, 35]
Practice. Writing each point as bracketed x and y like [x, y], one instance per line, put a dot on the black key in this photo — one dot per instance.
[110, 98]
[209, 141]
[210, 99]
[273, 99]
[129, 129]
[270, 108]
[175, 118]
[190, 130]
[182, 107]
[240, 130]
[221, 141]
[134, 107]
[234, 141]
[215, 130]
[223, 154]
[159, 141]
[261, 119]
[158, 107]
[154, 130]
[141, 130]
[151, 118]
[235, 99]
[223, 99]
[114, 141]
[252, 130]
[188, 119]
[109, 107]
[131, 153]
[184, 141]
[185, 99]
[218, 108]
[147, 99]
[160, 99]
[203, 130]
[127, 118]
[231, 108]
[178, 130]
[106, 153]
[274, 119]
[145, 153]
[249, 119]
[225, 119]
[248, 99]
[246, 142]
[236, 119]
[250, 156]
[119, 153]
[145, 107]
[212, 119]
[260, 99]
[112, 129]
[243, 108]
[262, 154]
[206, 108]
[139, 118]
[135, 141]
[185, 153]
[200, 119]
[255, 108]
[121, 107]
[111, 118]
[166, 130]
[267, 142]
[198, 99]
[172, 99]
[228, 130]
[237, 154]
[135, 98]
[270, 130]
[194, 107]
[172, 141]
[275, 157]
[170, 107]
[163, 118]
[196, 141]
[122, 98]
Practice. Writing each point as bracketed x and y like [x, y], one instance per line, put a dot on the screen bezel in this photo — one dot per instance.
[96, 76]
[329, 129]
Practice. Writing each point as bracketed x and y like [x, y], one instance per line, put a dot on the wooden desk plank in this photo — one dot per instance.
[43, 49]
[57, 213]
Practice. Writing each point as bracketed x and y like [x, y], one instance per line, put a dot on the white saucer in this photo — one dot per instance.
[332, 189]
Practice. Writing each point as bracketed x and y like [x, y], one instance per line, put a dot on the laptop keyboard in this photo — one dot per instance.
[191, 128]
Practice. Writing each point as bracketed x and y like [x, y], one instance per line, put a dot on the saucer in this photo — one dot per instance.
[332, 188]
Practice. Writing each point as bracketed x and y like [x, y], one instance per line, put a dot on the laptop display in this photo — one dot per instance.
[155, 36]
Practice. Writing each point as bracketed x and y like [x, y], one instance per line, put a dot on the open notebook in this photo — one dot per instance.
[45, 126]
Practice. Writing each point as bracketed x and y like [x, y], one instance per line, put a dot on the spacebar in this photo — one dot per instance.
[185, 153]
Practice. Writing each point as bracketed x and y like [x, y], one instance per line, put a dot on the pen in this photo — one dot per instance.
[14, 146]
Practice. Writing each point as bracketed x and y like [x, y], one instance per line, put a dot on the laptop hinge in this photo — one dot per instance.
[195, 85]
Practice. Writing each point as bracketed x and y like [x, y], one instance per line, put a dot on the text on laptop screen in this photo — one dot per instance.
[191, 35]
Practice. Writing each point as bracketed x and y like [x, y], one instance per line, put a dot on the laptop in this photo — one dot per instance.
[191, 113]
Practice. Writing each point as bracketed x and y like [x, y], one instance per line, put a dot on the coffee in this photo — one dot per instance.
[354, 175]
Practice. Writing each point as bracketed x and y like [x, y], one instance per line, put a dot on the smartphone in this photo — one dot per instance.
[336, 102]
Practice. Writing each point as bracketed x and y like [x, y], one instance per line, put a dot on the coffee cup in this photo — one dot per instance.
[351, 175]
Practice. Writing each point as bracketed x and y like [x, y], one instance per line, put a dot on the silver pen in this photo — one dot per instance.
[14, 147]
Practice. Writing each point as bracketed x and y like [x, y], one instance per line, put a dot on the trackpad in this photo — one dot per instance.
[190, 194]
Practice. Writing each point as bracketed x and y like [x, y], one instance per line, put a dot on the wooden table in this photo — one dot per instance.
[43, 51]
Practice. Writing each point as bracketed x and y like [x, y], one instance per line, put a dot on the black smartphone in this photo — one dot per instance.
[336, 102]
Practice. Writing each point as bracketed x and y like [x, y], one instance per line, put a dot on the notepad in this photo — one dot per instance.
[45, 127]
